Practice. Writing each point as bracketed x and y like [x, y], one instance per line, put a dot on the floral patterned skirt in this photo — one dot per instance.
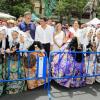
[90, 65]
[14, 74]
[30, 71]
[67, 66]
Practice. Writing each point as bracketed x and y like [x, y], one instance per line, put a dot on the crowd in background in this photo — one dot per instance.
[46, 35]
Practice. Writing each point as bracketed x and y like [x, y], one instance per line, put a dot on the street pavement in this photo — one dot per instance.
[90, 92]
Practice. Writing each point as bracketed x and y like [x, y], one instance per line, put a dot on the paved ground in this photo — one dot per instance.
[91, 92]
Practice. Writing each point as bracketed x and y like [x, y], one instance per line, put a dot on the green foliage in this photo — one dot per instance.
[98, 10]
[15, 7]
[61, 7]
[65, 7]
[19, 9]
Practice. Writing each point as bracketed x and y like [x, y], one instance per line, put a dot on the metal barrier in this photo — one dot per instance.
[83, 71]
[61, 61]
[24, 61]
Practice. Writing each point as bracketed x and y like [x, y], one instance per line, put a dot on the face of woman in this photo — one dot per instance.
[90, 34]
[10, 25]
[14, 35]
[76, 25]
[22, 39]
[4, 23]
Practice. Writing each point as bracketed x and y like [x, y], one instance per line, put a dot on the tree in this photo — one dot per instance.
[67, 7]
[19, 9]
[15, 7]
[98, 9]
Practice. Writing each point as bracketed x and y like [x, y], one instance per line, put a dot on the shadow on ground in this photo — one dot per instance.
[60, 91]
[57, 92]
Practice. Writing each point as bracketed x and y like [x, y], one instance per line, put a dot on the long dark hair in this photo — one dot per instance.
[73, 46]
[39, 45]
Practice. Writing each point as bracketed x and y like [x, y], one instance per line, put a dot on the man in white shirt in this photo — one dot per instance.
[44, 35]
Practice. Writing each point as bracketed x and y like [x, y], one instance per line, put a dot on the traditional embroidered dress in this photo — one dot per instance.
[31, 70]
[4, 44]
[14, 70]
[67, 65]
[89, 58]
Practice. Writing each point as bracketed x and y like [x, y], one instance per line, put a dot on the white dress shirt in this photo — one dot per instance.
[44, 35]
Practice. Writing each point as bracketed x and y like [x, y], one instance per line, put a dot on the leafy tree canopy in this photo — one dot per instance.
[15, 7]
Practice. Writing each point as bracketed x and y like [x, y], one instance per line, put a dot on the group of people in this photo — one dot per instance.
[84, 39]
[46, 36]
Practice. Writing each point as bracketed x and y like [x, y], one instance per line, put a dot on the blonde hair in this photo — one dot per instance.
[57, 27]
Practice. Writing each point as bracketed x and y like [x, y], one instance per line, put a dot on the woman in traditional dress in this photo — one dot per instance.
[31, 69]
[69, 65]
[14, 68]
[4, 45]
[89, 46]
